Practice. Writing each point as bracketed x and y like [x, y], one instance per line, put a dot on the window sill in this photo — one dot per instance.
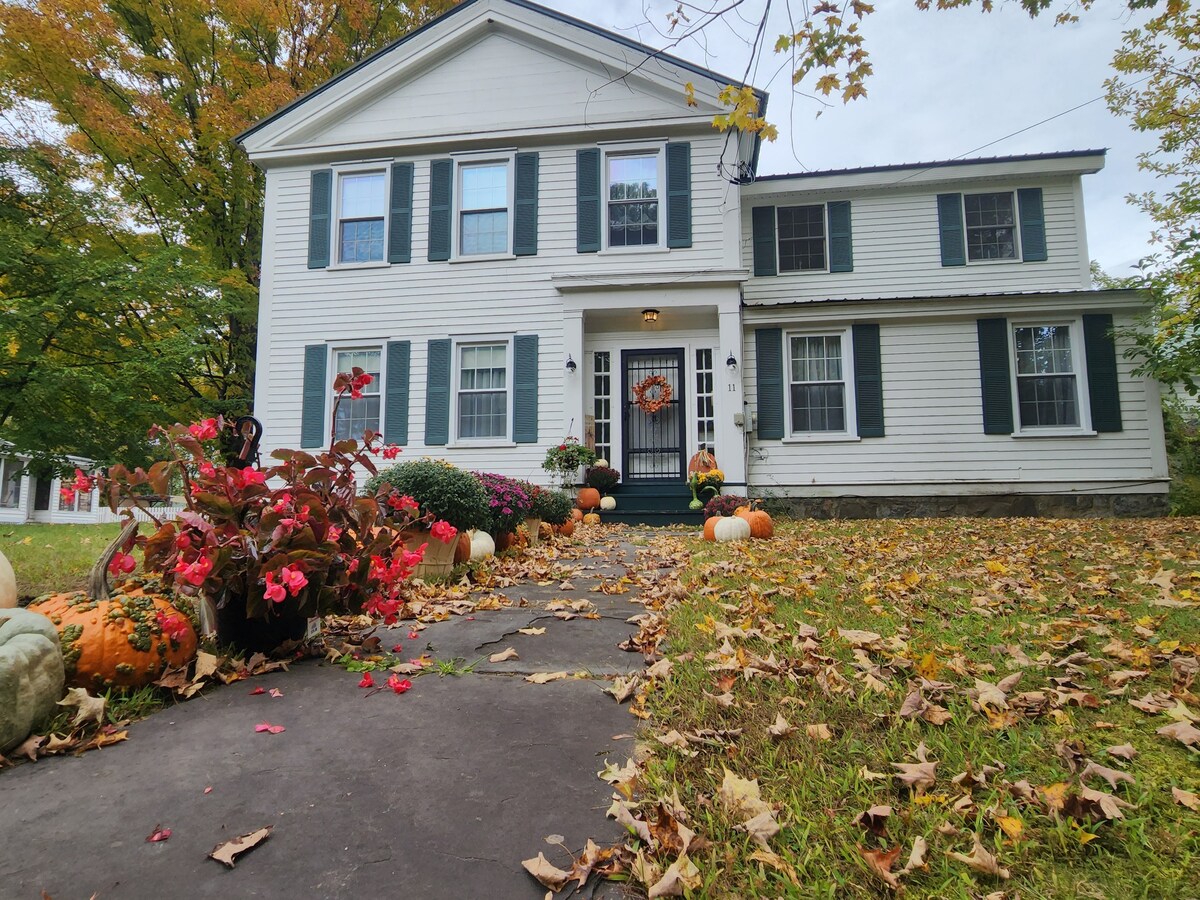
[483, 257]
[632, 251]
[350, 267]
[833, 438]
[481, 445]
[1016, 260]
[805, 272]
[1055, 433]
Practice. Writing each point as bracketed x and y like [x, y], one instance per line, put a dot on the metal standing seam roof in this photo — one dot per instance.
[525, 4]
[1098, 292]
[936, 164]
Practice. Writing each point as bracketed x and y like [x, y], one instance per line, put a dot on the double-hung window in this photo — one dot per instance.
[10, 483]
[1047, 376]
[483, 210]
[633, 192]
[356, 415]
[991, 226]
[802, 238]
[361, 208]
[483, 391]
[818, 392]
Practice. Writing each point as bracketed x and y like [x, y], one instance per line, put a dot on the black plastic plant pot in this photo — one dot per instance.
[257, 635]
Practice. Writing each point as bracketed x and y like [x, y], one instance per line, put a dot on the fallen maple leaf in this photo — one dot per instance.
[981, 860]
[546, 677]
[874, 819]
[531, 631]
[819, 732]
[267, 726]
[1184, 732]
[547, 874]
[87, 708]
[781, 728]
[916, 859]
[227, 851]
[504, 656]
[1122, 751]
[1186, 798]
[680, 874]
[30, 746]
[880, 862]
[158, 834]
[761, 828]
[1112, 776]
[206, 665]
[741, 796]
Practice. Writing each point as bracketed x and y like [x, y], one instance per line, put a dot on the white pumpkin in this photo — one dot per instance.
[482, 545]
[601, 464]
[608, 502]
[8, 585]
[731, 528]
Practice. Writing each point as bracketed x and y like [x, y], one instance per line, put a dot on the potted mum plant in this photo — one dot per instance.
[705, 482]
[509, 504]
[263, 551]
[564, 461]
[602, 478]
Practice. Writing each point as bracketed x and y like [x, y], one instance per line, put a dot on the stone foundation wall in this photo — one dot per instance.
[1054, 506]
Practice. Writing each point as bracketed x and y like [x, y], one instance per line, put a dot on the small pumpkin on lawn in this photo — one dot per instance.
[761, 524]
[122, 636]
[709, 525]
[731, 528]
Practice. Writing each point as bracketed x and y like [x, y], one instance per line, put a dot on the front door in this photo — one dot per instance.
[653, 440]
[41, 494]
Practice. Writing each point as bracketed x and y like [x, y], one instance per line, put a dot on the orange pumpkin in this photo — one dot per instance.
[701, 461]
[504, 541]
[115, 637]
[589, 498]
[462, 550]
[567, 528]
[576, 514]
[591, 519]
[761, 523]
[709, 524]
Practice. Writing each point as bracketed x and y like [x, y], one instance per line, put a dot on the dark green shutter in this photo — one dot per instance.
[1033, 225]
[679, 195]
[841, 250]
[525, 216]
[768, 356]
[400, 226]
[950, 229]
[868, 381]
[441, 197]
[1103, 392]
[763, 221]
[437, 394]
[312, 413]
[587, 200]
[994, 376]
[525, 389]
[320, 200]
[395, 409]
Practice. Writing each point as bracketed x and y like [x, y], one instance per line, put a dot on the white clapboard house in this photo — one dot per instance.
[514, 218]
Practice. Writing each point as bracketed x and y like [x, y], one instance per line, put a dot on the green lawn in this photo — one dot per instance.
[952, 608]
[53, 557]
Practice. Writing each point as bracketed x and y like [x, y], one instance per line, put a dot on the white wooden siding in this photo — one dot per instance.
[897, 251]
[933, 417]
[423, 300]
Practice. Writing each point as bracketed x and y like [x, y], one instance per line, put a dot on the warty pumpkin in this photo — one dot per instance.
[591, 519]
[114, 637]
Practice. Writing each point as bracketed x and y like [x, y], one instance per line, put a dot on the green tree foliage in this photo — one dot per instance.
[150, 93]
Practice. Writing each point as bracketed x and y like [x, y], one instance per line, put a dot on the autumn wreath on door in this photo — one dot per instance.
[652, 394]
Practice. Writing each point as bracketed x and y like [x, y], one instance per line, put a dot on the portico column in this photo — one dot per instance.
[731, 445]
[573, 382]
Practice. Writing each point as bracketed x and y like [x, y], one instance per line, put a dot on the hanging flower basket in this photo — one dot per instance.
[652, 394]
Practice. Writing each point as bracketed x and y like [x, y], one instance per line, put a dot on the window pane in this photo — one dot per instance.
[633, 224]
[1044, 349]
[361, 241]
[801, 238]
[485, 187]
[362, 196]
[817, 358]
[633, 177]
[10, 483]
[818, 407]
[991, 232]
[356, 416]
[484, 233]
[483, 414]
[1048, 400]
[367, 360]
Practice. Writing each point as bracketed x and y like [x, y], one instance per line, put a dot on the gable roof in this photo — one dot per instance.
[554, 15]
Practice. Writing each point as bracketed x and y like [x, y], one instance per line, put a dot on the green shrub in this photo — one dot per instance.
[445, 491]
[553, 507]
[1182, 425]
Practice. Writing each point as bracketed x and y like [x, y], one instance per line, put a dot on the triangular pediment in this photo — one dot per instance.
[491, 69]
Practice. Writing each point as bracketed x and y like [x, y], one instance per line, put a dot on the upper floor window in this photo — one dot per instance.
[802, 238]
[1047, 377]
[483, 391]
[991, 226]
[354, 416]
[633, 199]
[361, 210]
[483, 208]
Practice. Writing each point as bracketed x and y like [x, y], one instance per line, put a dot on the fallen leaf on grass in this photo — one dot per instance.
[881, 862]
[158, 834]
[504, 656]
[741, 796]
[1186, 798]
[776, 862]
[1183, 732]
[87, 708]
[546, 677]
[227, 851]
[781, 728]
[620, 811]
[761, 828]
[206, 665]
[981, 860]
[1011, 825]
[1091, 804]
[916, 859]
[1112, 776]
[680, 874]
[1122, 751]
[725, 701]
[874, 819]
[819, 732]
[919, 775]
[267, 726]
[623, 688]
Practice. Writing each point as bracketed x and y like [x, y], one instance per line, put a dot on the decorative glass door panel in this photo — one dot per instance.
[654, 438]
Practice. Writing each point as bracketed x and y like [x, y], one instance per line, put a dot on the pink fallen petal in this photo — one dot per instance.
[276, 692]
[276, 729]
[367, 681]
[399, 648]
[257, 691]
[159, 834]
[413, 635]
[470, 618]
[208, 790]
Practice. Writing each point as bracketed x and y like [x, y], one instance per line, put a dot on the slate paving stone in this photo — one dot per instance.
[440, 792]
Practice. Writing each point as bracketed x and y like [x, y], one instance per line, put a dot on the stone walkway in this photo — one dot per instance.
[437, 793]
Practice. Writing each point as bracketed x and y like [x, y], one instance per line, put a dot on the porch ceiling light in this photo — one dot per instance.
[650, 316]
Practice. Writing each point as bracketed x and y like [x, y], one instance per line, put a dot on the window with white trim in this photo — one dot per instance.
[357, 415]
[706, 420]
[801, 236]
[11, 472]
[633, 183]
[991, 221]
[819, 393]
[81, 502]
[1047, 376]
[482, 388]
[362, 211]
[485, 200]
[602, 402]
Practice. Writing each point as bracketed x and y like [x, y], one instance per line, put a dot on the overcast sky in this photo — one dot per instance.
[945, 84]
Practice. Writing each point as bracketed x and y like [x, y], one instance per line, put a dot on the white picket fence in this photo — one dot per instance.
[105, 515]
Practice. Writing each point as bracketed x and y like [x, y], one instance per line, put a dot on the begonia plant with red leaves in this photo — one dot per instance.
[289, 540]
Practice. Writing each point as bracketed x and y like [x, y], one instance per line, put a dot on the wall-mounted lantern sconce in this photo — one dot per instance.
[571, 365]
[731, 362]
[650, 316]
